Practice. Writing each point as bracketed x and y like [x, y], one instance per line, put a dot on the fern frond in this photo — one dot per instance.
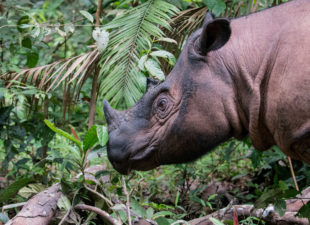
[132, 33]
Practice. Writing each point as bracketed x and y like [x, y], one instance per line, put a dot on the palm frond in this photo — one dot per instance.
[50, 76]
[132, 33]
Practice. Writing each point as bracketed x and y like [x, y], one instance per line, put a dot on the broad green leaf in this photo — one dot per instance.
[166, 55]
[69, 27]
[30, 190]
[26, 42]
[216, 6]
[102, 134]
[32, 59]
[137, 208]
[36, 32]
[162, 214]
[283, 186]
[142, 62]
[216, 221]
[268, 197]
[304, 211]
[154, 69]
[90, 138]
[6, 194]
[64, 203]
[165, 39]
[280, 206]
[63, 133]
[22, 23]
[149, 213]
[87, 15]
[162, 221]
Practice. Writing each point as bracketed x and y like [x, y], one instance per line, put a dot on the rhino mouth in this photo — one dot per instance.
[143, 159]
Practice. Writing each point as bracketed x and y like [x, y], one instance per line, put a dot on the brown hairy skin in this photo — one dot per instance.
[248, 76]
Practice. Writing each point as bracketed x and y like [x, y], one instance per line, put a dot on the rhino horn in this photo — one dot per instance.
[109, 113]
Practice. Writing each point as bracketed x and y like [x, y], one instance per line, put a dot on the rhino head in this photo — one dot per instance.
[180, 119]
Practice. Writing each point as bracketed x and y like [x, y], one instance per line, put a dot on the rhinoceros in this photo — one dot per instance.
[234, 77]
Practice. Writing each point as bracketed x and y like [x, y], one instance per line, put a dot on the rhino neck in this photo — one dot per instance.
[252, 54]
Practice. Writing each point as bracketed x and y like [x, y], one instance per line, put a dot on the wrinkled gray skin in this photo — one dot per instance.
[246, 76]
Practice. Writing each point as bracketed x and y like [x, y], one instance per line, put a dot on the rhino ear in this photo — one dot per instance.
[215, 33]
[208, 18]
[150, 82]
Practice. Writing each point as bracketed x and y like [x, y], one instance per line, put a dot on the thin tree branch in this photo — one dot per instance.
[100, 212]
[99, 195]
[293, 173]
[98, 12]
[65, 217]
[127, 200]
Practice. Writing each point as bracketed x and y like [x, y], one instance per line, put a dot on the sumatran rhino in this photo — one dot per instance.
[244, 76]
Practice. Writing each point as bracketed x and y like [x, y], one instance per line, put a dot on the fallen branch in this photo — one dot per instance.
[268, 215]
[39, 209]
[100, 212]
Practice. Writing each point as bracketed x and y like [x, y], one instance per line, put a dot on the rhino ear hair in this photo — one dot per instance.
[215, 33]
[150, 82]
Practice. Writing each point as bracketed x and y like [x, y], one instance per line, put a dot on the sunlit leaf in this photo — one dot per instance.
[103, 136]
[90, 138]
[63, 133]
[87, 15]
[154, 69]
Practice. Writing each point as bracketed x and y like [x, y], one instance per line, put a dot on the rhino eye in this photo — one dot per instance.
[162, 104]
[162, 107]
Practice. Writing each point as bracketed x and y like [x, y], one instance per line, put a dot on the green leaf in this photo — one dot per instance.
[32, 59]
[166, 55]
[162, 214]
[282, 185]
[63, 133]
[142, 62]
[64, 203]
[154, 69]
[216, 221]
[6, 194]
[87, 15]
[269, 196]
[102, 173]
[290, 193]
[90, 138]
[280, 206]
[26, 42]
[149, 213]
[136, 208]
[216, 6]
[162, 221]
[304, 211]
[165, 39]
[20, 23]
[102, 134]
[30, 190]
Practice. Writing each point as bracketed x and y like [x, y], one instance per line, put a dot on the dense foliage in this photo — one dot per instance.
[58, 62]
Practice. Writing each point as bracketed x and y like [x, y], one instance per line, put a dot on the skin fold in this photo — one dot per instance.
[245, 76]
